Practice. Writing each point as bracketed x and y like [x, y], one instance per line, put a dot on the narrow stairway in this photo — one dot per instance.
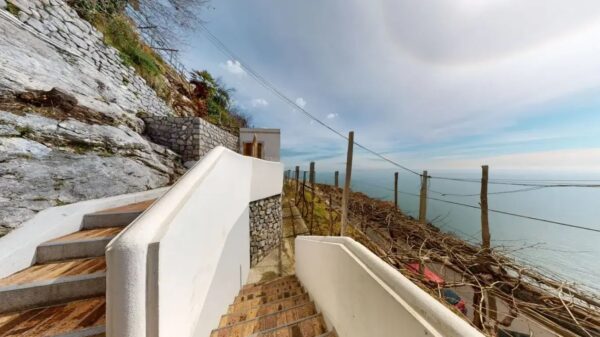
[277, 308]
[63, 293]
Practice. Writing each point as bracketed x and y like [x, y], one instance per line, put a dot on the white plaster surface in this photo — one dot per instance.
[361, 295]
[201, 229]
[270, 138]
[17, 248]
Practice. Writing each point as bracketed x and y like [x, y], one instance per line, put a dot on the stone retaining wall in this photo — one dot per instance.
[56, 23]
[191, 137]
[265, 227]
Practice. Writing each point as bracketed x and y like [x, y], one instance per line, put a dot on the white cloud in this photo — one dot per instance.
[234, 67]
[259, 102]
[300, 102]
[332, 115]
[571, 159]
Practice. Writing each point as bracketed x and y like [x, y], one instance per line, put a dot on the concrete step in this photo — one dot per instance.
[312, 326]
[270, 321]
[86, 243]
[270, 292]
[259, 300]
[258, 288]
[247, 306]
[73, 319]
[271, 282]
[53, 283]
[115, 217]
[248, 313]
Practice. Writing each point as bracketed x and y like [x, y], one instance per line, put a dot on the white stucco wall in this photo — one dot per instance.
[17, 248]
[174, 271]
[270, 138]
[361, 295]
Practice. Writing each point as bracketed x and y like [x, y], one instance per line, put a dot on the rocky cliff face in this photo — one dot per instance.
[79, 142]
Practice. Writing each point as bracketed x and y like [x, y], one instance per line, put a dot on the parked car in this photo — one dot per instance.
[436, 281]
[431, 277]
[455, 300]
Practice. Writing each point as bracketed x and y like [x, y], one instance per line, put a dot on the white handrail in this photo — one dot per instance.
[162, 269]
[361, 295]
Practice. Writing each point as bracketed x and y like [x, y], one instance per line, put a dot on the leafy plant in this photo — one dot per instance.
[12, 9]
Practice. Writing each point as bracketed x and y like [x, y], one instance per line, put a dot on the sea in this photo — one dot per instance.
[559, 251]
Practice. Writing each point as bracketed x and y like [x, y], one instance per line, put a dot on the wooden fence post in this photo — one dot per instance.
[485, 225]
[423, 199]
[396, 189]
[337, 179]
[313, 196]
[297, 181]
[346, 194]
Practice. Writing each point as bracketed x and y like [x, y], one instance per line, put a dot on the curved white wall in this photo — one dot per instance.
[177, 267]
[361, 295]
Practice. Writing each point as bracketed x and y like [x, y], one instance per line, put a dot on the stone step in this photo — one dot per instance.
[116, 217]
[53, 283]
[270, 282]
[266, 309]
[81, 318]
[282, 282]
[270, 321]
[312, 326]
[85, 243]
[270, 291]
[98, 220]
[263, 299]
[248, 306]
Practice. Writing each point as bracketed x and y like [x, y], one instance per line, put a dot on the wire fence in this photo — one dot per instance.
[402, 241]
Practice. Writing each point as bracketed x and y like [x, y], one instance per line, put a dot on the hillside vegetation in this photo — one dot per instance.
[200, 95]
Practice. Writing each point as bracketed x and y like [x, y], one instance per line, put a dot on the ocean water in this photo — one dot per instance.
[571, 254]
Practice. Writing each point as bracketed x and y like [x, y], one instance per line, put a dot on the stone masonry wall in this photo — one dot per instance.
[191, 137]
[56, 23]
[265, 227]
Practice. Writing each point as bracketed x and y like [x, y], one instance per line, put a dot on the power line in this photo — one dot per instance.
[490, 193]
[509, 213]
[490, 210]
[266, 84]
[269, 86]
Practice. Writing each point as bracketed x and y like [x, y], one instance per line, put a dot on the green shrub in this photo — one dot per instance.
[12, 9]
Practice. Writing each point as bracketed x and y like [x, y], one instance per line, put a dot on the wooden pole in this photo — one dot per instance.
[346, 194]
[337, 179]
[423, 199]
[485, 226]
[297, 181]
[313, 196]
[396, 189]
[254, 147]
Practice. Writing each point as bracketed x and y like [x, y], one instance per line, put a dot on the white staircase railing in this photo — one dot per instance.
[361, 295]
[176, 268]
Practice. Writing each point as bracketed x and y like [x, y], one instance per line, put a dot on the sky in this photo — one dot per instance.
[438, 84]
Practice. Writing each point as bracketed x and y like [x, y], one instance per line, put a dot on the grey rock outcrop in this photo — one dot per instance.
[49, 46]
[45, 162]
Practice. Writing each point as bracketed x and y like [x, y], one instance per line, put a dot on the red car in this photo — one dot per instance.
[430, 276]
[437, 281]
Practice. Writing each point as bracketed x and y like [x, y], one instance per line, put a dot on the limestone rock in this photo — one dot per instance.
[47, 162]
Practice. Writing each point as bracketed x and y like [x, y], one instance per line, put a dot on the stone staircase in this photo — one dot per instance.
[63, 293]
[277, 308]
